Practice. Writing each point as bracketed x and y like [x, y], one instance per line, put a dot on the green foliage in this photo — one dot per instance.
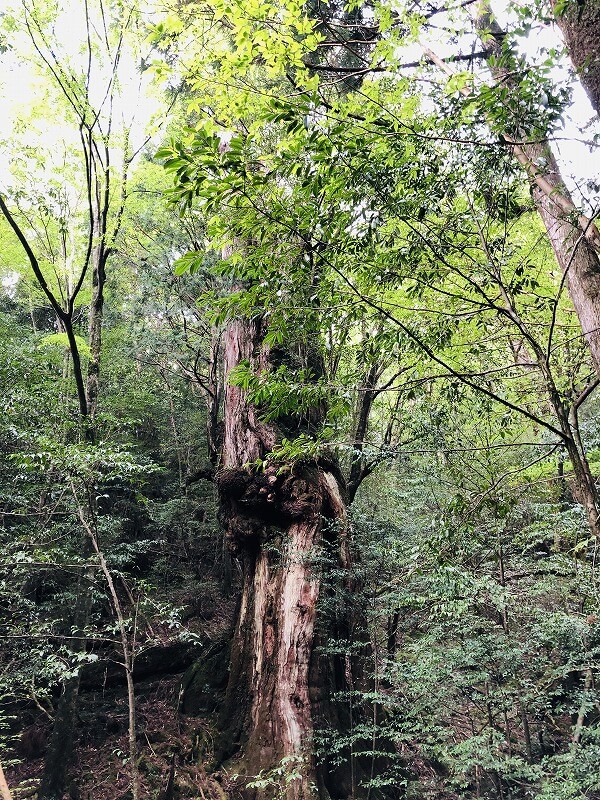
[60, 340]
[280, 779]
[385, 242]
[285, 391]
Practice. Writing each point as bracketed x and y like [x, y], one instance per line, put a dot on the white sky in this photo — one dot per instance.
[22, 91]
[579, 163]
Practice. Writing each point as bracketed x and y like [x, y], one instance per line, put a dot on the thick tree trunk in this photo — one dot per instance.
[574, 238]
[272, 648]
[580, 25]
[576, 257]
[274, 522]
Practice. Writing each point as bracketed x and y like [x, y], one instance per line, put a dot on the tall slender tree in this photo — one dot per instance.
[87, 90]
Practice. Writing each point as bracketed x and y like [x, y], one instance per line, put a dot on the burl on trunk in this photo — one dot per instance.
[274, 518]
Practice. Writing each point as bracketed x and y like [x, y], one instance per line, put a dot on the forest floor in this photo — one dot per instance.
[174, 749]
[175, 722]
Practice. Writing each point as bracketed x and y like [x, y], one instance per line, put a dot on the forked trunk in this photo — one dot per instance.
[274, 520]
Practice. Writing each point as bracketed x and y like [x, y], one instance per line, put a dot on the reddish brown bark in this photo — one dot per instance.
[273, 644]
[4, 790]
[245, 437]
[274, 520]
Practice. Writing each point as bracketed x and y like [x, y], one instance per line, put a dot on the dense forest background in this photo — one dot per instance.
[299, 351]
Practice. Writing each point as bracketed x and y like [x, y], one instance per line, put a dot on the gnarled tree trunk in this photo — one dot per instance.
[274, 520]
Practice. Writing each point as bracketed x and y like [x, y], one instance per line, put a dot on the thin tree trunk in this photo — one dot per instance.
[564, 495]
[526, 732]
[583, 708]
[502, 582]
[367, 395]
[95, 330]
[584, 485]
[127, 647]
